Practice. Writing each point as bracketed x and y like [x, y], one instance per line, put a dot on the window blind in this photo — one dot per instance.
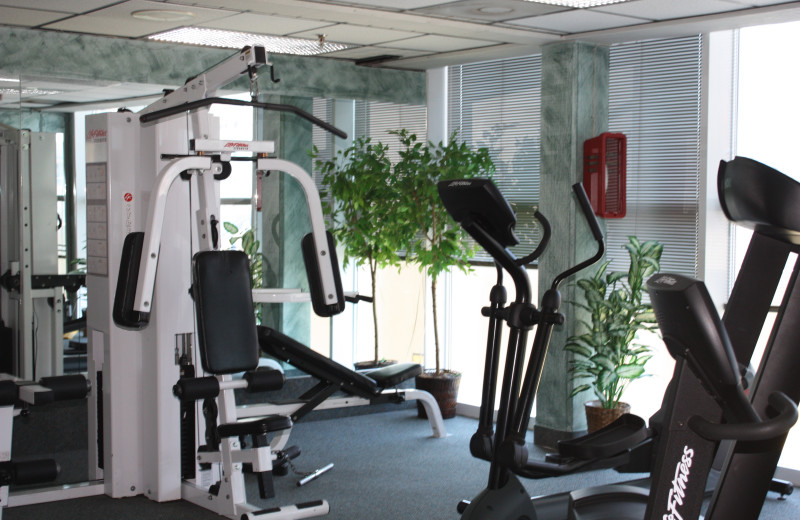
[496, 105]
[654, 98]
[374, 119]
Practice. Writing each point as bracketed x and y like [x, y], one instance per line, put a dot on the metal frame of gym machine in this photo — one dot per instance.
[31, 293]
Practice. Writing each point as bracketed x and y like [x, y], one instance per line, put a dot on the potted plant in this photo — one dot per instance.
[607, 356]
[359, 198]
[435, 242]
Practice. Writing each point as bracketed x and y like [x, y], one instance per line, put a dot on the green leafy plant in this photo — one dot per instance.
[251, 246]
[361, 201]
[433, 239]
[607, 354]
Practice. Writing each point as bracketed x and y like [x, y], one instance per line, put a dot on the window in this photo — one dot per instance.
[496, 105]
[654, 98]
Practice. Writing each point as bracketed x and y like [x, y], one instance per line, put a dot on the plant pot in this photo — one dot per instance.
[443, 387]
[369, 365]
[597, 417]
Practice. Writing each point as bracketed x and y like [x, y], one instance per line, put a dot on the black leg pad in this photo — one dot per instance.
[263, 425]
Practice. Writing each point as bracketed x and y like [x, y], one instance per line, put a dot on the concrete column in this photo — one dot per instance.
[574, 108]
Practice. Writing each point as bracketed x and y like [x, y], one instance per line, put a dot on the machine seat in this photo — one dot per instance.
[393, 375]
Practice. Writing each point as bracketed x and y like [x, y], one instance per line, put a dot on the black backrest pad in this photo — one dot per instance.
[300, 356]
[226, 325]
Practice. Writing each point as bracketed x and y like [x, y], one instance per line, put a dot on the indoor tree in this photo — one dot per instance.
[360, 200]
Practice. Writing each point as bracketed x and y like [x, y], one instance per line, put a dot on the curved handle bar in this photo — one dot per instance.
[542, 243]
[588, 214]
[763, 431]
[166, 112]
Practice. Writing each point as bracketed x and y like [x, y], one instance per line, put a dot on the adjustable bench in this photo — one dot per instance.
[375, 387]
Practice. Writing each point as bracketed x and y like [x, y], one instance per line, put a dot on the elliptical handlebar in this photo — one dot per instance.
[542, 243]
[591, 220]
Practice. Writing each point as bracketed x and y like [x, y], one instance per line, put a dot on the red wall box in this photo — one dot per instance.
[604, 161]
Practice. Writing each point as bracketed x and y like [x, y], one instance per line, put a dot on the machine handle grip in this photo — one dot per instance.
[747, 432]
[547, 231]
[588, 213]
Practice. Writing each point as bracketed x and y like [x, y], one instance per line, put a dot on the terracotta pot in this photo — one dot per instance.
[597, 417]
[443, 387]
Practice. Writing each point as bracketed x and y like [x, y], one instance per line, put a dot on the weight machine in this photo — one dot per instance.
[31, 290]
[152, 214]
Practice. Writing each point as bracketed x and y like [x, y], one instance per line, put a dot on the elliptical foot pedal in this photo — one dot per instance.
[621, 435]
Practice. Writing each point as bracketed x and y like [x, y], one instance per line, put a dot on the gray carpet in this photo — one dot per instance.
[386, 466]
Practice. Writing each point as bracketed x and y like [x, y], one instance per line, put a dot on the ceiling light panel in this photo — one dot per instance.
[237, 40]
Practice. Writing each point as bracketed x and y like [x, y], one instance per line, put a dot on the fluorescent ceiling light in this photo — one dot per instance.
[29, 91]
[162, 15]
[578, 4]
[237, 40]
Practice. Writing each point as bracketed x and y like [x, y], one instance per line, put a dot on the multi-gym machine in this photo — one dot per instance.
[31, 290]
[705, 402]
[152, 214]
[153, 181]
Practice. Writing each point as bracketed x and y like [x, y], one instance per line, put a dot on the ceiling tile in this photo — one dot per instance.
[28, 17]
[264, 24]
[577, 20]
[64, 6]
[117, 20]
[387, 4]
[487, 12]
[357, 35]
[436, 43]
[360, 53]
[660, 10]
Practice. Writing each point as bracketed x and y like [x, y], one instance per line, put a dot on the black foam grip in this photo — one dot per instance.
[319, 300]
[35, 471]
[264, 380]
[8, 393]
[66, 387]
[122, 312]
[191, 389]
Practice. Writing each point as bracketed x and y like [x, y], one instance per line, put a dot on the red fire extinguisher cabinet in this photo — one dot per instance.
[604, 162]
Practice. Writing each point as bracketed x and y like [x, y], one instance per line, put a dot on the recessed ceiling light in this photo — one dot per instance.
[578, 4]
[237, 40]
[495, 10]
[162, 15]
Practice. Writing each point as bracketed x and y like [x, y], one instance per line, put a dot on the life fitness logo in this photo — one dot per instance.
[237, 145]
[97, 136]
[128, 211]
[679, 485]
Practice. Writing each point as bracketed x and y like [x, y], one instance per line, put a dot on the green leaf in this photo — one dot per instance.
[230, 227]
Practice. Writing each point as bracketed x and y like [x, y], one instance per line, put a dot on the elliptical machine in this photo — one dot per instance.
[705, 403]
[483, 212]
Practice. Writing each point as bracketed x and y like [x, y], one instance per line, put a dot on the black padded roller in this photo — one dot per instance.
[8, 392]
[35, 471]
[66, 387]
[193, 388]
[264, 380]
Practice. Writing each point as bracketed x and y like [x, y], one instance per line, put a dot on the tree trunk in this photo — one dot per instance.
[435, 324]
[373, 274]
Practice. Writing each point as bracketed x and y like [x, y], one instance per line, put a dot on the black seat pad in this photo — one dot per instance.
[270, 423]
[393, 375]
